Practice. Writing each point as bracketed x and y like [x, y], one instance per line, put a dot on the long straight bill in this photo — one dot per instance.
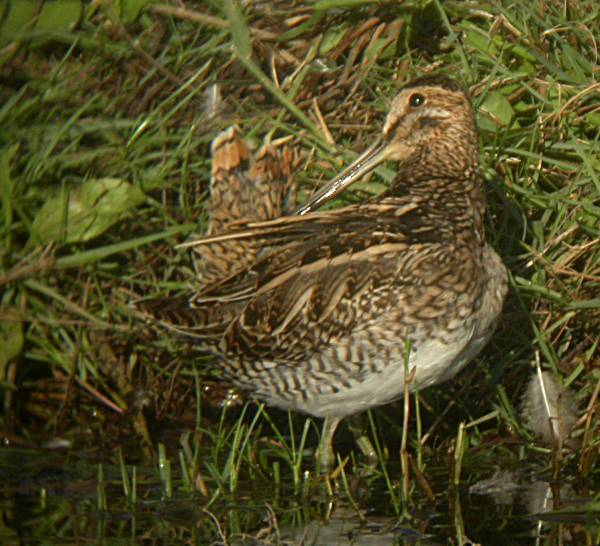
[373, 156]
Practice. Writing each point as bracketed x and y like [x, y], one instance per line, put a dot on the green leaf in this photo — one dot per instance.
[59, 15]
[21, 16]
[86, 212]
[130, 9]
[520, 51]
[11, 338]
[331, 38]
[17, 18]
[593, 118]
[477, 39]
[497, 106]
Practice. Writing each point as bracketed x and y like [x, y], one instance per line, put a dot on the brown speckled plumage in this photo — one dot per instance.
[313, 312]
[243, 188]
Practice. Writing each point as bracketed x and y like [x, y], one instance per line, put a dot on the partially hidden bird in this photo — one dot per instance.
[330, 312]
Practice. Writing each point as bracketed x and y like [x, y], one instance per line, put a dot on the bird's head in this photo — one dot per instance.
[429, 120]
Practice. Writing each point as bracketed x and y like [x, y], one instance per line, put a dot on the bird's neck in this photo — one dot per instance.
[450, 184]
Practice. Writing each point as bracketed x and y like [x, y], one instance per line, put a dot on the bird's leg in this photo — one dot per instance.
[357, 425]
[325, 455]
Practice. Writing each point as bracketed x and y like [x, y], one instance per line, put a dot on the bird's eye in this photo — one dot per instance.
[416, 99]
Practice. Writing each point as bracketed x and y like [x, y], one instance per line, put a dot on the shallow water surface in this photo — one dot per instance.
[53, 498]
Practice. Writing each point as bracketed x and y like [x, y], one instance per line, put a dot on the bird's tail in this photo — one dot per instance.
[243, 189]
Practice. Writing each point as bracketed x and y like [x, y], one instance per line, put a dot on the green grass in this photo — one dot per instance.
[107, 119]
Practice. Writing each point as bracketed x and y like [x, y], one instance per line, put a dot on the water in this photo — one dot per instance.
[49, 497]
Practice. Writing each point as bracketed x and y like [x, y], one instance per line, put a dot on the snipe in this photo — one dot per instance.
[314, 312]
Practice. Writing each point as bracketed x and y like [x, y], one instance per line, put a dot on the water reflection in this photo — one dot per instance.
[344, 527]
[48, 497]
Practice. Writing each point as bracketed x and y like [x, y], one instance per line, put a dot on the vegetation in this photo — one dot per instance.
[107, 113]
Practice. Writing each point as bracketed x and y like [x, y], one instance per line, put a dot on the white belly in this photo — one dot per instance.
[433, 362]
